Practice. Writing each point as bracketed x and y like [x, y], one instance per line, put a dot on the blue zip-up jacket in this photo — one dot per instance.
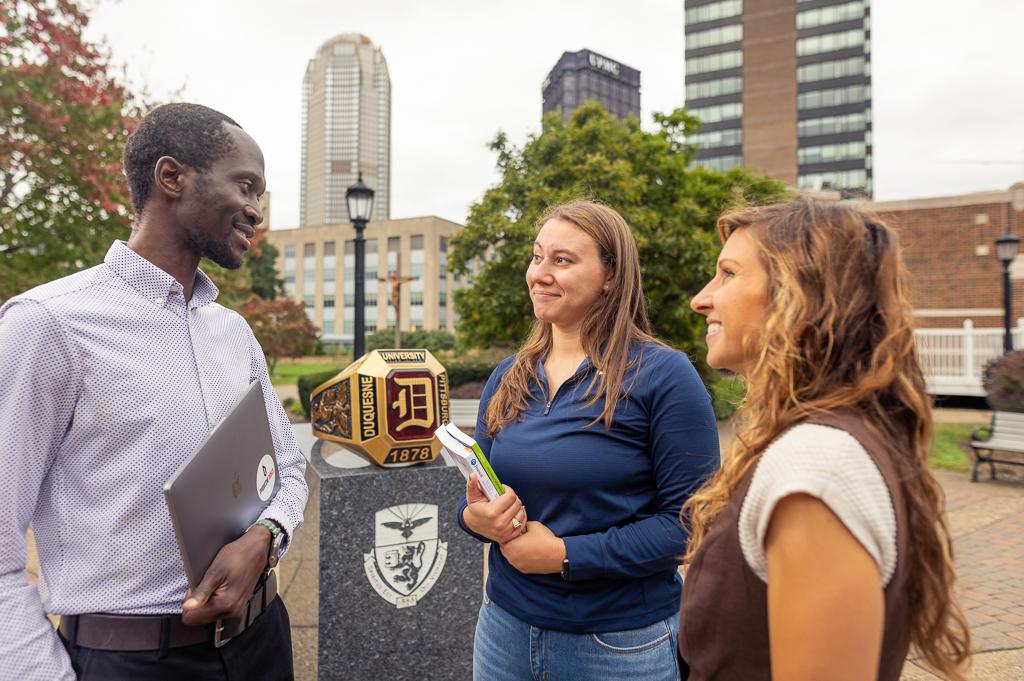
[612, 496]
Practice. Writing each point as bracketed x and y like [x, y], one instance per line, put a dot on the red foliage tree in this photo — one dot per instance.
[281, 326]
[64, 119]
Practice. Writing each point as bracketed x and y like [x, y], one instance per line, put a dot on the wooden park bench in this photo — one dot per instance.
[1005, 434]
[464, 414]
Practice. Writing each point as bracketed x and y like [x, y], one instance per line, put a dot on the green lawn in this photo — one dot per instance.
[288, 371]
[949, 446]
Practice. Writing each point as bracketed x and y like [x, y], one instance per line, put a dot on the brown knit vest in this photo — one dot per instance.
[723, 631]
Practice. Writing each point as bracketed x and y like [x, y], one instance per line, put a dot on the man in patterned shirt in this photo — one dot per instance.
[113, 376]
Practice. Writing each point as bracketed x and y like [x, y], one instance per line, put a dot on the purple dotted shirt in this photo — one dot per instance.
[110, 380]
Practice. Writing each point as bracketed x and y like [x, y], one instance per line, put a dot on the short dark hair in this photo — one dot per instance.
[190, 133]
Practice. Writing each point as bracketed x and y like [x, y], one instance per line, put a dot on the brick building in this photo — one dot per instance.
[949, 248]
[783, 86]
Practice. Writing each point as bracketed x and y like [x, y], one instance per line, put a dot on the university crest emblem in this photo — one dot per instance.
[407, 556]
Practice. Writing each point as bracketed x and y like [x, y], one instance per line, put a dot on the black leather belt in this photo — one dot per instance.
[131, 633]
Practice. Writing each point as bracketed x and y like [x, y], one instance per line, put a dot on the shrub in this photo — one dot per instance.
[461, 372]
[1004, 382]
[434, 340]
[727, 395]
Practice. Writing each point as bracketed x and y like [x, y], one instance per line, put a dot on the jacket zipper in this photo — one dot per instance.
[571, 379]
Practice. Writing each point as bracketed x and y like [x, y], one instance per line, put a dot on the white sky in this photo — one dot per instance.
[948, 81]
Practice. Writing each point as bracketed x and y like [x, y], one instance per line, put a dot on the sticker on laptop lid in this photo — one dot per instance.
[265, 474]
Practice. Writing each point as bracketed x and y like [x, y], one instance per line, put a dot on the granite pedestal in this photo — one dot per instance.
[399, 581]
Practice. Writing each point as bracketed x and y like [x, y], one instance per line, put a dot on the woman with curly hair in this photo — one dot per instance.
[819, 550]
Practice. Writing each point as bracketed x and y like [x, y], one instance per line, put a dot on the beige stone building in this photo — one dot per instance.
[317, 264]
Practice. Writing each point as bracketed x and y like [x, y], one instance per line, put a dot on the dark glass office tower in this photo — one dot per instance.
[783, 86]
[582, 76]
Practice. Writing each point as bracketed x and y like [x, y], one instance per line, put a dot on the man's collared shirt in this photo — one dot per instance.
[110, 380]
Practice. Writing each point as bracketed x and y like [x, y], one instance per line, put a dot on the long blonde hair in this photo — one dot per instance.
[839, 335]
[617, 320]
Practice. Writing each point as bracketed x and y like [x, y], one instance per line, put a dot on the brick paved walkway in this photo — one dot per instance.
[987, 521]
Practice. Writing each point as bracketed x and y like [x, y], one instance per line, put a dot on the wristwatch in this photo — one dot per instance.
[276, 539]
[565, 569]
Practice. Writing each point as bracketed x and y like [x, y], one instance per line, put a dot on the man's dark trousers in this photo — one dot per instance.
[263, 651]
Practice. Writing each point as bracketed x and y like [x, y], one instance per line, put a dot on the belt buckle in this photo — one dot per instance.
[218, 629]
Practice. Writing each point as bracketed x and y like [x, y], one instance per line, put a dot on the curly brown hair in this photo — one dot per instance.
[839, 336]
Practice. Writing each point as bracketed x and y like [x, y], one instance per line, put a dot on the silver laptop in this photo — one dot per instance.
[224, 485]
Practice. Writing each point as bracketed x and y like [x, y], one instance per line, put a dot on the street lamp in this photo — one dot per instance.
[1006, 251]
[359, 198]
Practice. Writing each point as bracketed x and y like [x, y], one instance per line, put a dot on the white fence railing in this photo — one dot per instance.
[953, 359]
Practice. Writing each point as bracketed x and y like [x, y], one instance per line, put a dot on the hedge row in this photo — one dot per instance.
[726, 393]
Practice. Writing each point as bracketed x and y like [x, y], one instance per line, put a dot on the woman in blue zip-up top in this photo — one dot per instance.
[599, 433]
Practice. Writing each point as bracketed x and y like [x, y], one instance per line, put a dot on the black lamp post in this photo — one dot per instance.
[359, 198]
[1006, 251]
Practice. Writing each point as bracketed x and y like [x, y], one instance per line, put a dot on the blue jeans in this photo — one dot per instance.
[506, 648]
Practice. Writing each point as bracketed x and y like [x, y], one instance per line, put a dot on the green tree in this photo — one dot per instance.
[234, 286]
[261, 263]
[64, 118]
[670, 207]
[257, 275]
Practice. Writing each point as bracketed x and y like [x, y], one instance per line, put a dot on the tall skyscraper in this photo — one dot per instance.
[585, 75]
[783, 86]
[346, 129]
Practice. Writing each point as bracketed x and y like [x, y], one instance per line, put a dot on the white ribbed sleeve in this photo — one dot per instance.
[830, 465]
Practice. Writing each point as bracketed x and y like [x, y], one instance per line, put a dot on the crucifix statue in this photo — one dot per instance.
[396, 280]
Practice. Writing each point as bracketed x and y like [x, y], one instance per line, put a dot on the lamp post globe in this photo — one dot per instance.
[359, 200]
[1007, 246]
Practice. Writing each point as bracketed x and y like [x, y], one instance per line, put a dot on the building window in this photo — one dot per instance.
[831, 125]
[371, 262]
[831, 152]
[714, 36]
[714, 62]
[350, 261]
[827, 70]
[715, 10]
[839, 179]
[853, 94]
[714, 88]
[721, 163]
[833, 14]
[829, 42]
[394, 258]
[330, 262]
[717, 138]
[719, 112]
[416, 256]
[416, 287]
